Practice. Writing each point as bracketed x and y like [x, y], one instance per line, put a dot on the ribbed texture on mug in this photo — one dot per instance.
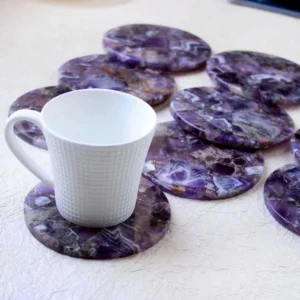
[96, 186]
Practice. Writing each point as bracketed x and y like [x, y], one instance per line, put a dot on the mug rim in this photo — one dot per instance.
[76, 142]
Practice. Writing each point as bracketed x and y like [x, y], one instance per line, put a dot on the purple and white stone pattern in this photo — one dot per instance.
[295, 145]
[156, 47]
[227, 119]
[282, 196]
[34, 100]
[97, 71]
[186, 166]
[256, 76]
[146, 227]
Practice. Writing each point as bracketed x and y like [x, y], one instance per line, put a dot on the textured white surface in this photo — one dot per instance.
[88, 197]
[215, 250]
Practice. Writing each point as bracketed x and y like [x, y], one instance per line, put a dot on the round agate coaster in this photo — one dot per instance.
[146, 227]
[295, 145]
[156, 47]
[282, 196]
[188, 167]
[97, 71]
[225, 118]
[256, 76]
[34, 100]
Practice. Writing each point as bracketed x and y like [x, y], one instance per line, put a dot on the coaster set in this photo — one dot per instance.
[209, 153]
[186, 166]
[107, 72]
[146, 227]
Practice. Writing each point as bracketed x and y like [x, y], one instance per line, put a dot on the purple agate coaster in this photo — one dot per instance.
[34, 100]
[146, 227]
[97, 71]
[156, 47]
[227, 119]
[186, 166]
[282, 196]
[295, 145]
[256, 76]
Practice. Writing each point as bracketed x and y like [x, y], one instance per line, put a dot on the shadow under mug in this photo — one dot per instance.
[97, 141]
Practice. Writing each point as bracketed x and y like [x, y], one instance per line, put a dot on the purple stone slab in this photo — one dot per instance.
[295, 145]
[224, 118]
[282, 196]
[146, 227]
[256, 76]
[186, 166]
[34, 100]
[156, 47]
[97, 71]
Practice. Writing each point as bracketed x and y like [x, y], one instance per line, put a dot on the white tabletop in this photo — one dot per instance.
[230, 249]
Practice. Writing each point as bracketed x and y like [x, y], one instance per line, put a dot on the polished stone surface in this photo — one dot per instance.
[256, 76]
[282, 196]
[295, 145]
[34, 100]
[186, 166]
[156, 47]
[97, 71]
[228, 119]
[146, 227]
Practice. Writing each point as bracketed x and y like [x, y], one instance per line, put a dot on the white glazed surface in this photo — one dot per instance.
[97, 117]
[215, 250]
[97, 141]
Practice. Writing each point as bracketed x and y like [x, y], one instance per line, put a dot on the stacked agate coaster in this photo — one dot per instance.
[227, 119]
[34, 100]
[97, 71]
[295, 146]
[256, 76]
[282, 196]
[156, 47]
[186, 166]
[146, 227]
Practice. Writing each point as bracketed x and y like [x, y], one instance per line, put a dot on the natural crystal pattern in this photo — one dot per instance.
[295, 145]
[256, 76]
[282, 196]
[97, 71]
[156, 47]
[148, 224]
[186, 166]
[34, 100]
[225, 118]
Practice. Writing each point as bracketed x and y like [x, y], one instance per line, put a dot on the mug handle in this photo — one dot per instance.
[16, 147]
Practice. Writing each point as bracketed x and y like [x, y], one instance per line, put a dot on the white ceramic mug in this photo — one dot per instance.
[98, 141]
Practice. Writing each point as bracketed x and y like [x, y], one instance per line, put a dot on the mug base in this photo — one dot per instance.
[96, 223]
